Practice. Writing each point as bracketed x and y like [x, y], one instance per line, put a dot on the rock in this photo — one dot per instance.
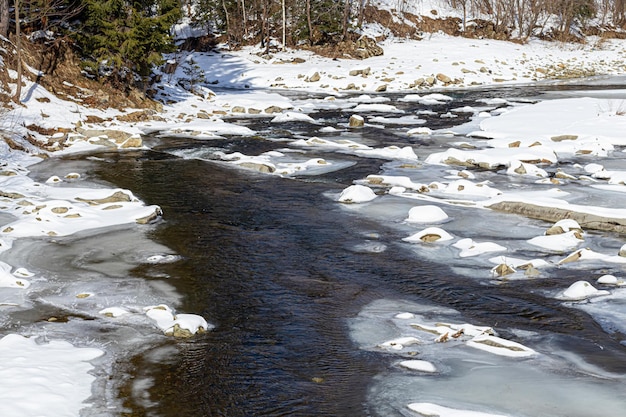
[132, 142]
[138, 116]
[367, 48]
[357, 194]
[622, 251]
[581, 290]
[444, 78]
[560, 138]
[313, 78]
[360, 71]
[238, 109]
[116, 197]
[564, 226]
[254, 111]
[150, 217]
[356, 121]
[503, 270]
[273, 109]
[256, 166]
[608, 280]
[381, 88]
[426, 214]
[429, 235]
[585, 220]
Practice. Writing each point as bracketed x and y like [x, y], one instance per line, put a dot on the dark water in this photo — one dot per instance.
[271, 262]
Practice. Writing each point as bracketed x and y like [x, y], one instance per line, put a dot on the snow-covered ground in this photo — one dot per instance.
[526, 140]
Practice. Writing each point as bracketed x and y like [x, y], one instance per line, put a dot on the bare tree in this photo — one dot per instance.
[18, 55]
[284, 14]
[346, 18]
[4, 18]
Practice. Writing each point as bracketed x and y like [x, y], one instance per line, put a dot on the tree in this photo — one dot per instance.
[4, 18]
[121, 38]
[18, 55]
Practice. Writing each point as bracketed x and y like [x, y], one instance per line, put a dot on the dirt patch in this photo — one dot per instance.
[60, 73]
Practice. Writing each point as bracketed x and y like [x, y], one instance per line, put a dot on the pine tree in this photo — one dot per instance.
[121, 38]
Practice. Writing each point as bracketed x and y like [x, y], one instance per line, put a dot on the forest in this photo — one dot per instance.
[123, 40]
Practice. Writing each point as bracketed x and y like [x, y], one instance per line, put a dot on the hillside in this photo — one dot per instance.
[398, 46]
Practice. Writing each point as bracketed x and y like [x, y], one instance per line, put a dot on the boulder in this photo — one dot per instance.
[444, 78]
[367, 48]
[356, 121]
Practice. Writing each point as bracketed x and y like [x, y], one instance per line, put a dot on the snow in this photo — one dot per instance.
[581, 290]
[40, 377]
[426, 214]
[357, 194]
[418, 365]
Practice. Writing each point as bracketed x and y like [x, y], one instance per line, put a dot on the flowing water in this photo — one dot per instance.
[282, 270]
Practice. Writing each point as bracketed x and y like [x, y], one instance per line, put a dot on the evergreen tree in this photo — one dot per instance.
[121, 38]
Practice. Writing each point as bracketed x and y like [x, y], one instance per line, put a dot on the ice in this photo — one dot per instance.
[428, 409]
[541, 381]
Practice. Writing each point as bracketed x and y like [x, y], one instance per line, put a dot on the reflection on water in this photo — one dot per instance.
[279, 268]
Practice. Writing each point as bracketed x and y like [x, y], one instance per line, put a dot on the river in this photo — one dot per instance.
[282, 270]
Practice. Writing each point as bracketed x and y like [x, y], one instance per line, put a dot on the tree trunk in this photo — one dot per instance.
[18, 47]
[308, 21]
[346, 19]
[284, 25]
[4, 18]
[362, 5]
[244, 17]
[227, 17]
